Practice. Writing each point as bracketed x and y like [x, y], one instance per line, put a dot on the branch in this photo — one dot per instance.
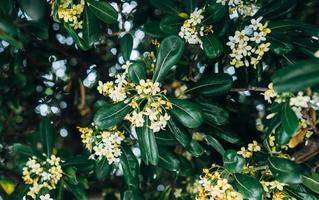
[249, 88]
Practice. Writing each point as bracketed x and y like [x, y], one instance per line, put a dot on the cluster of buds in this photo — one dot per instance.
[192, 29]
[103, 143]
[250, 150]
[241, 7]
[249, 45]
[42, 174]
[70, 12]
[214, 186]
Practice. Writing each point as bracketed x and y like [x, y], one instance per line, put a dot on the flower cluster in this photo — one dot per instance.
[214, 186]
[42, 174]
[192, 29]
[252, 147]
[103, 143]
[241, 7]
[275, 190]
[155, 107]
[71, 13]
[249, 45]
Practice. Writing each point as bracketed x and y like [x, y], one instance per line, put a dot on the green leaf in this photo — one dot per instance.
[170, 51]
[278, 46]
[132, 195]
[168, 160]
[8, 32]
[147, 143]
[276, 8]
[23, 150]
[233, 161]
[249, 187]
[312, 182]
[225, 134]
[287, 26]
[187, 112]
[214, 13]
[80, 162]
[286, 171]
[35, 9]
[110, 115]
[103, 10]
[77, 190]
[79, 41]
[213, 85]
[214, 114]
[167, 6]
[195, 148]
[297, 77]
[171, 24]
[130, 167]
[91, 29]
[126, 46]
[153, 29]
[39, 29]
[137, 71]
[46, 136]
[7, 7]
[179, 132]
[102, 168]
[165, 139]
[165, 195]
[215, 144]
[289, 125]
[212, 46]
[70, 173]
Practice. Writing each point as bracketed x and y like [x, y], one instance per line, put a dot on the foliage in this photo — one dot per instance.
[168, 99]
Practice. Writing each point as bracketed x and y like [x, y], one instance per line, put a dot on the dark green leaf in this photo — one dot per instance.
[168, 160]
[179, 132]
[153, 29]
[285, 171]
[91, 29]
[276, 8]
[77, 190]
[132, 195]
[126, 46]
[167, 6]
[103, 10]
[312, 182]
[215, 144]
[297, 77]
[147, 143]
[170, 51]
[137, 71]
[130, 167]
[102, 168]
[171, 24]
[289, 125]
[187, 112]
[195, 148]
[287, 25]
[165, 139]
[233, 161]
[165, 195]
[23, 150]
[47, 136]
[212, 46]
[279, 47]
[214, 13]
[249, 187]
[213, 85]
[70, 173]
[225, 134]
[214, 114]
[79, 41]
[108, 116]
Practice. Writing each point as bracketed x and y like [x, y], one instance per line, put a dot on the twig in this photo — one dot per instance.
[249, 88]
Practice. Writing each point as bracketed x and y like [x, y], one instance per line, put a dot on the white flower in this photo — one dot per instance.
[258, 37]
[45, 197]
[255, 23]
[117, 94]
[300, 101]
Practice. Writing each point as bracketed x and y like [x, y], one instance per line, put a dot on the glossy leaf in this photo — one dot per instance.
[225, 134]
[102, 168]
[153, 29]
[276, 8]
[212, 46]
[214, 114]
[147, 143]
[233, 162]
[297, 77]
[187, 112]
[166, 6]
[130, 167]
[111, 115]
[286, 171]
[91, 29]
[170, 51]
[46, 136]
[70, 174]
[79, 41]
[23, 150]
[249, 187]
[215, 144]
[214, 13]
[171, 24]
[312, 182]
[289, 123]
[35, 9]
[195, 148]
[103, 10]
[165, 139]
[77, 191]
[126, 46]
[168, 160]
[132, 195]
[212, 85]
[137, 71]
[179, 132]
